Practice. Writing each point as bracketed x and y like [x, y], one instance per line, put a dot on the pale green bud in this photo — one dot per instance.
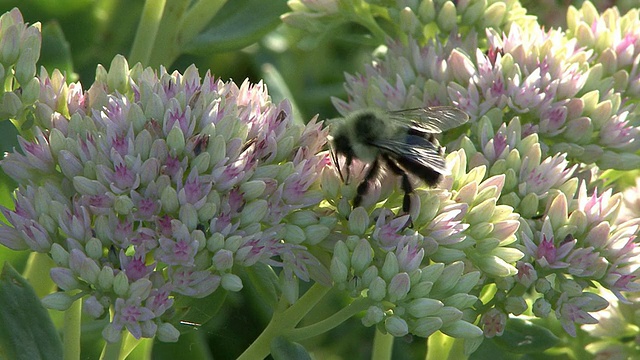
[421, 289]
[149, 171]
[122, 205]
[460, 300]
[399, 287]
[377, 289]
[362, 256]
[542, 286]
[446, 18]
[59, 255]
[175, 140]
[316, 233]
[396, 326]
[373, 316]
[202, 162]
[167, 333]
[461, 329]
[541, 308]
[121, 284]
[426, 11]
[254, 212]
[223, 260]
[58, 301]
[169, 200]
[294, 234]
[426, 326]
[252, 189]
[231, 282]
[215, 242]
[139, 289]
[233, 243]
[368, 275]
[432, 272]
[494, 15]
[358, 221]
[515, 305]
[93, 248]
[390, 267]
[482, 212]
[105, 278]
[338, 270]
[31, 91]
[189, 216]
[424, 307]
[9, 45]
[118, 76]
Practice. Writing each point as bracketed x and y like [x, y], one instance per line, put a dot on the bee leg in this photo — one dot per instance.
[406, 184]
[364, 185]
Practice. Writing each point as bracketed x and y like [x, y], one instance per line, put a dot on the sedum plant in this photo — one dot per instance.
[153, 197]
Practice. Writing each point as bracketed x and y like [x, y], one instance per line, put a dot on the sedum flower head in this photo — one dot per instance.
[578, 244]
[408, 19]
[422, 270]
[150, 186]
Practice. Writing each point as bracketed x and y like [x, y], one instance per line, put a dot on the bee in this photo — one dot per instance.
[402, 141]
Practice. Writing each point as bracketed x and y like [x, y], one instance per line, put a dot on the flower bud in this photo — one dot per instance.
[399, 286]
[515, 305]
[167, 333]
[169, 199]
[377, 289]
[362, 256]
[396, 326]
[175, 140]
[254, 212]
[338, 270]
[446, 18]
[93, 307]
[541, 308]
[373, 316]
[139, 289]
[58, 301]
[358, 221]
[93, 248]
[105, 278]
[64, 278]
[231, 282]
[316, 233]
[223, 260]
[426, 326]
[118, 75]
[189, 216]
[123, 205]
[252, 189]
[461, 329]
[121, 284]
[424, 307]
[390, 267]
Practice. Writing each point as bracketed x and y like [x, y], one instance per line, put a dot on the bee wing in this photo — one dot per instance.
[416, 149]
[431, 119]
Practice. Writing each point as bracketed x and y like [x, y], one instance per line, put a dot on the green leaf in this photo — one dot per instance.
[283, 349]
[266, 283]
[56, 53]
[27, 331]
[191, 313]
[524, 337]
[239, 23]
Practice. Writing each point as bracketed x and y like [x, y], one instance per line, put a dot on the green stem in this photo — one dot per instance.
[111, 351]
[129, 343]
[180, 24]
[37, 273]
[71, 331]
[382, 346]
[147, 31]
[438, 346]
[284, 321]
[198, 16]
[329, 323]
